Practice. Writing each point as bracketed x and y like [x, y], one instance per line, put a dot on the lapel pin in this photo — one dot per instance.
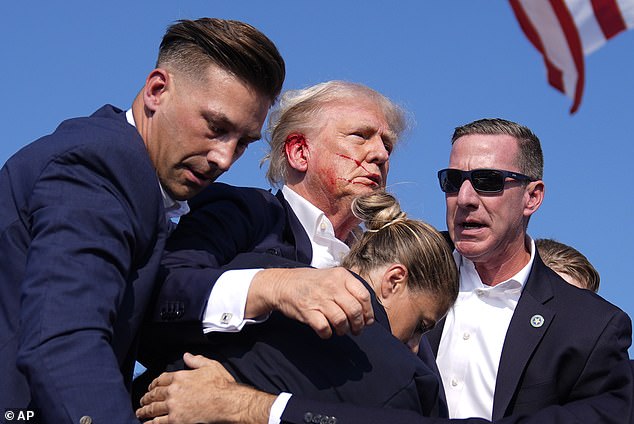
[537, 321]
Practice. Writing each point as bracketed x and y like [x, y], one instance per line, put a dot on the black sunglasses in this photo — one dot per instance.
[482, 180]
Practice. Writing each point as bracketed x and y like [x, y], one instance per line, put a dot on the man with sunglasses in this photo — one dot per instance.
[519, 338]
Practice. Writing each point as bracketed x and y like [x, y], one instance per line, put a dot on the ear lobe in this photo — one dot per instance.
[394, 281]
[297, 152]
[155, 86]
[535, 193]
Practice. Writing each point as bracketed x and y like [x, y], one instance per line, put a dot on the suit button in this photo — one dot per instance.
[317, 419]
[332, 420]
[308, 417]
[85, 420]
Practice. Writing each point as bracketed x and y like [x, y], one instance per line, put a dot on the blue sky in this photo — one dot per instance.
[446, 62]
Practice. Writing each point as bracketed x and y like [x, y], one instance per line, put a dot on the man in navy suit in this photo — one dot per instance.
[84, 216]
[521, 345]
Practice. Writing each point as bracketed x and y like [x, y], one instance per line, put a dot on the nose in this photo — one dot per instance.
[222, 154]
[467, 196]
[378, 153]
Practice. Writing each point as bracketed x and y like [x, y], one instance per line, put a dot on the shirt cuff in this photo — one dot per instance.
[228, 298]
[277, 409]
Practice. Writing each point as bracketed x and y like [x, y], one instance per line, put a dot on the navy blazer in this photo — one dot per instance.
[224, 221]
[571, 356]
[82, 229]
[572, 369]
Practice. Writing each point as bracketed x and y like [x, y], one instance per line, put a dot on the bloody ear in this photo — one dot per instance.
[297, 152]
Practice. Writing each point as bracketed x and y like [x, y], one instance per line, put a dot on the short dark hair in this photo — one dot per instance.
[189, 46]
[530, 159]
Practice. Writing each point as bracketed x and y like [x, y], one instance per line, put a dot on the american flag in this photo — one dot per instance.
[565, 31]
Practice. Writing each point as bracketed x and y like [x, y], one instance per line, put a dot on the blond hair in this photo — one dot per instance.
[392, 237]
[567, 260]
[298, 110]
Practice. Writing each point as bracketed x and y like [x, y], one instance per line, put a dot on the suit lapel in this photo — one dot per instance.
[294, 232]
[530, 321]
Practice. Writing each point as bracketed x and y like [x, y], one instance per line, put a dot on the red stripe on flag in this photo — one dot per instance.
[609, 17]
[555, 76]
[574, 44]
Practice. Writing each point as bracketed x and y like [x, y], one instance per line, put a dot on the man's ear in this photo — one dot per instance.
[534, 197]
[156, 86]
[297, 152]
[394, 281]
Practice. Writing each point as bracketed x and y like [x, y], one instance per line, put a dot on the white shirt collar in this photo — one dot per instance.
[328, 250]
[470, 279]
[173, 208]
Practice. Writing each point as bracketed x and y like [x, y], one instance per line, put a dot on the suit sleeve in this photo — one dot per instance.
[224, 222]
[83, 245]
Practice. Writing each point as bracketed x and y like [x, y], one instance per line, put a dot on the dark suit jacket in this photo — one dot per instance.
[82, 229]
[568, 358]
[224, 221]
[577, 358]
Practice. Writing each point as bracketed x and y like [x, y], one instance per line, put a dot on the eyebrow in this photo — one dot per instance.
[387, 134]
[213, 117]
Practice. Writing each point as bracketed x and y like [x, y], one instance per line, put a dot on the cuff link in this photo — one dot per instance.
[225, 318]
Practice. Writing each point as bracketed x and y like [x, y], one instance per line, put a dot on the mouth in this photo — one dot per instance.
[471, 225]
[373, 180]
[199, 178]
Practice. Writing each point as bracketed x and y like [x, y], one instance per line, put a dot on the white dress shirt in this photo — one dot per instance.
[228, 298]
[472, 339]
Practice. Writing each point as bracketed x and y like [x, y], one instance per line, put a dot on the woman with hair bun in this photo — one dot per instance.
[411, 276]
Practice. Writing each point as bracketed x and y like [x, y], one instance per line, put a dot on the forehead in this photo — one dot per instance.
[484, 151]
[361, 110]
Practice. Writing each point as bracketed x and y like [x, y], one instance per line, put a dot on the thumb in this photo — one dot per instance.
[196, 361]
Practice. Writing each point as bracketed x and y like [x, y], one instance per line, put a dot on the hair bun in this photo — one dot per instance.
[377, 210]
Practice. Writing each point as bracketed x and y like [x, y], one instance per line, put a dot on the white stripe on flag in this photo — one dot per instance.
[589, 30]
[554, 41]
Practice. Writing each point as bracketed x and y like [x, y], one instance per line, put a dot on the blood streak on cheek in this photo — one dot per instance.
[360, 165]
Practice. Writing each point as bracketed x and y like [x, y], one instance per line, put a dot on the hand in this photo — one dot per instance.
[320, 298]
[205, 394]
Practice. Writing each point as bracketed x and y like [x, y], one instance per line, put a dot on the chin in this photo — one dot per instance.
[469, 249]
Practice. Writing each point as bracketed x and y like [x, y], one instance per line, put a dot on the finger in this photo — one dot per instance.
[197, 361]
[165, 379]
[336, 316]
[362, 295]
[319, 323]
[157, 394]
[152, 410]
[352, 311]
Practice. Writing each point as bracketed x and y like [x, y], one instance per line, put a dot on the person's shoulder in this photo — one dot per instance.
[104, 134]
[583, 303]
[221, 192]
[106, 129]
